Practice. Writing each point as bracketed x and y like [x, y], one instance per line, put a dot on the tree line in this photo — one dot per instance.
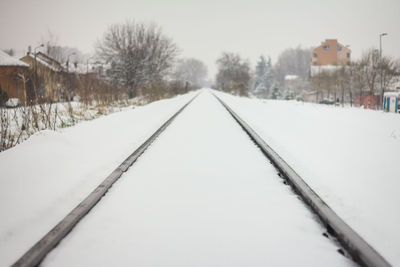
[362, 77]
[235, 74]
[344, 84]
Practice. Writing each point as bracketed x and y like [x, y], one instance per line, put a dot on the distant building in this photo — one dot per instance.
[330, 52]
[329, 56]
[43, 62]
[48, 73]
[13, 76]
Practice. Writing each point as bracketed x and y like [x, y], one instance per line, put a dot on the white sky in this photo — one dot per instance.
[205, 28]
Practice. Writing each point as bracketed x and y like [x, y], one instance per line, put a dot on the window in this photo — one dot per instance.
[348, 55]
[326, 47]
[339, 48]
[315, 55]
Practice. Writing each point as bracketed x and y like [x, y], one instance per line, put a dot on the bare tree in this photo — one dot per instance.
[138, 54]
[390, 72]
[190, 70]
[233, 74]
[367, 73]
[369, 64]
[324, 84]
[293, 61]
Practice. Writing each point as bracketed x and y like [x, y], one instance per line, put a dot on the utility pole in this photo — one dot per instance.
[380, 64]
[69, 89]
[35, 84]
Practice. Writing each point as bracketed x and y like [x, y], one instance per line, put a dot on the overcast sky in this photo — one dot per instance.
[205, 28]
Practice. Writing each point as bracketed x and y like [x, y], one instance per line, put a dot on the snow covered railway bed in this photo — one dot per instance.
[201, 195]
[349, 156]
[358, 248]
[47, 176]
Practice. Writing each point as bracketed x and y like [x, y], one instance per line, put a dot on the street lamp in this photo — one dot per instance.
[69, 77]
[380, 64]
[34, 51]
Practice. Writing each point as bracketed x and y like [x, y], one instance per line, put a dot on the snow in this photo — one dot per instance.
[291, 77]
[396, 94]
[349, 156]
[21, 122]
[202, 195]
[325, 68]
[45, 177]
[7, 60]
[12, 102]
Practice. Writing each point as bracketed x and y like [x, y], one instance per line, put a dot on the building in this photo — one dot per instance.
[13, 76]
[329, 56]
[43, 62]
[49, 74]
[331, 53]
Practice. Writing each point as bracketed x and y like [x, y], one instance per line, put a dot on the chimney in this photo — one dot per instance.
[29, 50]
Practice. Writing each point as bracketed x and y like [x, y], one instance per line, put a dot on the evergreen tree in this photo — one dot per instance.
[263, 77]
[275, 92]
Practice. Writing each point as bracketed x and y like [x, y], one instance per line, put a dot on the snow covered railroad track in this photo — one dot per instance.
[202, 195]
[357, 247]
[38, 252]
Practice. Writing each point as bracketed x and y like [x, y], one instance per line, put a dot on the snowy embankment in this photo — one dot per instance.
[42, 179]
[349, 156]
[17, 124]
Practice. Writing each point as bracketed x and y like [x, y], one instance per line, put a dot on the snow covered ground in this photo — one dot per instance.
[19, 123]
[202, 195]
[349, 156]
[42, 179]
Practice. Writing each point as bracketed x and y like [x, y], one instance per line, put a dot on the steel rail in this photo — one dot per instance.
[356, 246]
[38, 252]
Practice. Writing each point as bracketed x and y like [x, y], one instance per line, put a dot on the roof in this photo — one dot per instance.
[316, 69]
[291, 77]
[333, 41]
[397, 94]
[7, 60]
[47, 61]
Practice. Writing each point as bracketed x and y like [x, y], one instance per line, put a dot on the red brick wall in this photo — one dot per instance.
[368, 101]
[11, 83]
